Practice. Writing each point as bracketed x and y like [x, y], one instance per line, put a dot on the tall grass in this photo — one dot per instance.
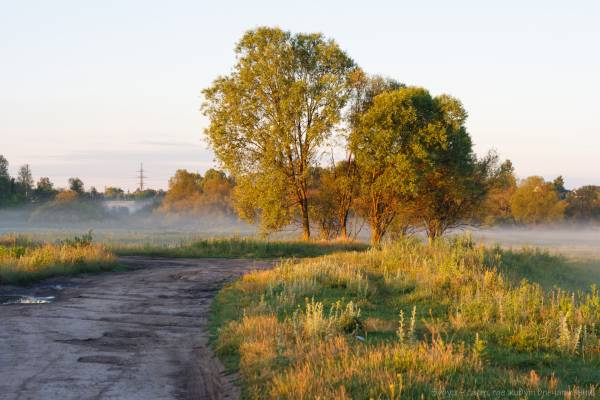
[408, 320]
[22, 265]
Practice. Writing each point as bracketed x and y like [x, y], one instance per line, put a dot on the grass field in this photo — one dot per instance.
[407, 320]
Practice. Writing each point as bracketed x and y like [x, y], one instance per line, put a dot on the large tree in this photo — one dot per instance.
[390, 132]
[453, 186]
[346, 173]
[417, 164]
[452, 182]
[270, 116]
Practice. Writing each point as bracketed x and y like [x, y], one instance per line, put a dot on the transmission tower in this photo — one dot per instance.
[141, 176]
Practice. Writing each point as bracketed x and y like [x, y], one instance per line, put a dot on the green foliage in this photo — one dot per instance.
[271, 114]
[386, 137]
[415, 159]
[269, 208]
[496, 208]
[9, 189]
[559, 186]
[192, 193]
[332, 194]
[536, 202]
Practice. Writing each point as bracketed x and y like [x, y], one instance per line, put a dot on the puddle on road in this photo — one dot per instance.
[14, 299]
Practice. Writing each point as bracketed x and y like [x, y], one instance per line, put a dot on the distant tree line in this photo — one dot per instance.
[21, 189]
[534, 201]
[341, 201]
[68, 204]
[409, 162]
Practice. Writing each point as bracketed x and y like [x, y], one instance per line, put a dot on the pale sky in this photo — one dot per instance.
[93, 88]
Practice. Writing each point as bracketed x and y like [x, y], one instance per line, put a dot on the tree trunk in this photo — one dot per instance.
[376, 233]
[344, 232]
[344, 226]
[305, 220]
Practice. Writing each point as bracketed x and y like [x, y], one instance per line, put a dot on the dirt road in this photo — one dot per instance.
[124, 335]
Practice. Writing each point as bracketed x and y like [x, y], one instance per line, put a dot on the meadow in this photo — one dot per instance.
[412, 321]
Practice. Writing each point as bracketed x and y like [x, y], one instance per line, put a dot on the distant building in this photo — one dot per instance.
[132, 206]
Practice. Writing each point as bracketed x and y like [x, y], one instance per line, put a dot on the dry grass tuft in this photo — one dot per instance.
[20, 265]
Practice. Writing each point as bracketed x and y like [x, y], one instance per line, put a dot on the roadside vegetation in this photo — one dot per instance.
[23, 261]
[239, 248]
[408, 320]
[25, 258]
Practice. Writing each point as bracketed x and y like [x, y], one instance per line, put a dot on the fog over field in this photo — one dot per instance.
[123, 223]
[128, 221]
[569, 240]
